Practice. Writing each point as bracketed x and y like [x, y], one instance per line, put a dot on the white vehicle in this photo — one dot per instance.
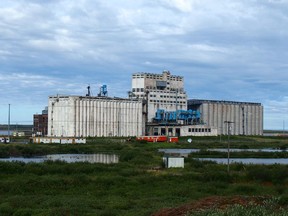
[4, 140]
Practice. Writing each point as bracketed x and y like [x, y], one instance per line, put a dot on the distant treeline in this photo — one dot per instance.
[274, 131]
[16, 127]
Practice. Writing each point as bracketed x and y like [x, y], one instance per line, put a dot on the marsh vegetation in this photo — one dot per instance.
[136, 185]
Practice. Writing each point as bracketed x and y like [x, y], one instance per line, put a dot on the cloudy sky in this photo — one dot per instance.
[226, 50]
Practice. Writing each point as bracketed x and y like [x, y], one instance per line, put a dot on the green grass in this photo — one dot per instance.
[134, 186]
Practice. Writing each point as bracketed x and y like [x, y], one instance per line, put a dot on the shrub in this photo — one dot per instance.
[23, 212]
[259, 174]
[215, 175]
[11, 167]
[6, 209]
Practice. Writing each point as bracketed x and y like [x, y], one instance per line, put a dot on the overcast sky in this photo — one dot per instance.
[226, 50]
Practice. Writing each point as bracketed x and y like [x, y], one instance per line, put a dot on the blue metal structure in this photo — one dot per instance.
[188, 116]
[103, 91]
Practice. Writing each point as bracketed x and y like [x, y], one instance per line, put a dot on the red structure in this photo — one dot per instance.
[157, 139]
[152, 138]
[173, 139]
[40, 124]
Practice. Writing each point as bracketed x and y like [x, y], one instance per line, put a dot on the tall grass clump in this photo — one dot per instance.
[276, 174]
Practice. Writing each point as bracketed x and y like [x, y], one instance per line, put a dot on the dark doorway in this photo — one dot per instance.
[177, 131]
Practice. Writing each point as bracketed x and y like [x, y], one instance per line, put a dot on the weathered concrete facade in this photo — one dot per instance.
[182, 130]
[94, 116]
[161, 91]
[246, 118]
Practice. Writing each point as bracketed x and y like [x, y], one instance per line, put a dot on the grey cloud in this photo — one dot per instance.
[215, 45]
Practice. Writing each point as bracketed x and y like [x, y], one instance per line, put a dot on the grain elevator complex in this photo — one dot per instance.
[157, 105]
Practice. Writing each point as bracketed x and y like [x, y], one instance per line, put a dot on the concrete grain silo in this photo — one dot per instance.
[78, 116]
[245, 118]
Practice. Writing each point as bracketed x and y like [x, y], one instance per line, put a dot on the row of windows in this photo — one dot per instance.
[155, 76]
[138, 90]
[168, 96]
[180, 91]
[199, 130]
[171, 89]
[164, 101]
[151, 95]
[142, 89]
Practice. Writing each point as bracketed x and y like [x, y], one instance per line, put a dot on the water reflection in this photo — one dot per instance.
[91, 158]
[69, 158]
[263, 161]
[22, 159]
[189, 151]
[186, 152]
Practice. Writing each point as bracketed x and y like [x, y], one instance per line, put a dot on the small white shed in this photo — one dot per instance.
[173, 162]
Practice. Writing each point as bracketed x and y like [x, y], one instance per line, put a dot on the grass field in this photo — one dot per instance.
[137, 185]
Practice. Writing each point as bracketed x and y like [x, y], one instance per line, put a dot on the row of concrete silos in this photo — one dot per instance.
[244, 118]
[88, 116]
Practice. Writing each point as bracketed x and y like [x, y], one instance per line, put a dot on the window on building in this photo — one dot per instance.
[155, 131]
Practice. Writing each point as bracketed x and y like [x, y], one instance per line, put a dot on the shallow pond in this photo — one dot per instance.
[188, 151]
[69, 158]
[265, 161]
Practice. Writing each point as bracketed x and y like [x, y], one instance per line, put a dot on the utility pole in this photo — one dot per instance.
[9, 122]
[228, 149]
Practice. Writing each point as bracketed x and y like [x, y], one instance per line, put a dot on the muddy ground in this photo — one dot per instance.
[213, 202]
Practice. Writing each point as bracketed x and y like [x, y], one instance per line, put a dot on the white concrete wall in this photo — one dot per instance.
[245, 116]
[138, 83]
[60, 140]
[202, 130]
[185, 130]
[86, 116]
[167, 101]
[173, 162]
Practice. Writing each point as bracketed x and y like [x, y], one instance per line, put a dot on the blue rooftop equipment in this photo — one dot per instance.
[188, 116]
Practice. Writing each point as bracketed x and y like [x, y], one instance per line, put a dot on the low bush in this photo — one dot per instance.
[273, 173]
[215, 176]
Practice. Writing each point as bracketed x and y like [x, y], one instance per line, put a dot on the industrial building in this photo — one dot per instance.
[238, 118]
[40, 123]
[157, 105]
[165, 106]
[77, 116]
[182, 130]
[160, 91]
